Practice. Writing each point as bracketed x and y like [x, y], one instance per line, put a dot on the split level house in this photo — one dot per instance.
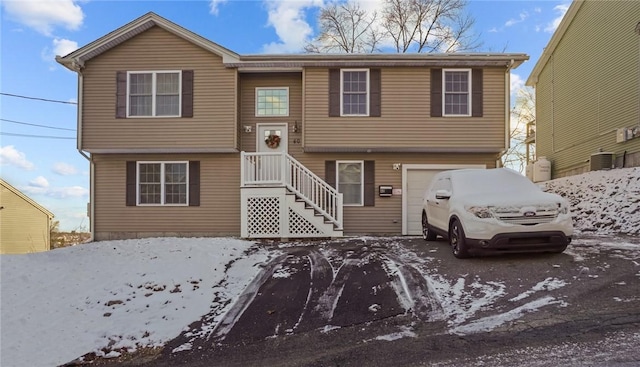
[188, 138]
[587, 87]
[24, 224]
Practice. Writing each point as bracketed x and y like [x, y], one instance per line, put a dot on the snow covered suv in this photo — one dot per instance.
[494, 210]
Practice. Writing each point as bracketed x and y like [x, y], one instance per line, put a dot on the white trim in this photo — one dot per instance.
[271, 88]
[162, 182]
[154, 74]
[361, 179]
[342, 71]
[417, 167]
[469, 92]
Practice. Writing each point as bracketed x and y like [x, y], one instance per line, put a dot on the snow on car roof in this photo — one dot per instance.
[491, 181]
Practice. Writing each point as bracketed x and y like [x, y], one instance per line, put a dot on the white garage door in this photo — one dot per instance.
[417, 182]
[416, 179]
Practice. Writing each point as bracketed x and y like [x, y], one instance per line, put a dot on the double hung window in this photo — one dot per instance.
[163, 183]
[153, 93]
[354, 92]
[457, 92]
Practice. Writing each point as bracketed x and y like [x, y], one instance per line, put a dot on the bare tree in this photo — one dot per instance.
[403, 25]
[428, 25]
[523, 119]
[346, 28]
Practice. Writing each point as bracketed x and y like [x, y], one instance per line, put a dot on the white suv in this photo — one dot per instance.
[494, 210]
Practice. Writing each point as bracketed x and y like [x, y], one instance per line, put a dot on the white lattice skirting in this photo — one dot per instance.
[269, 212]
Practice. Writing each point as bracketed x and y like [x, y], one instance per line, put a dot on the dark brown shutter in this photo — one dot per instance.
[194, 183]
[187, 93]
[131, 183]
[334, 92]
[476, 92]
[330, 173]
[436, 92]
[121, 94]
[369, 183]
[375, 99]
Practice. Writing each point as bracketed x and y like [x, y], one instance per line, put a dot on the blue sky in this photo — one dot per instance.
[43, 162]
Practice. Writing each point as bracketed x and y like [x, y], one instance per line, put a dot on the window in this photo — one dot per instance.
[272, 102]
[163, 183]
[457, 92]
[153, 94]
[350, 181]
[355, 92]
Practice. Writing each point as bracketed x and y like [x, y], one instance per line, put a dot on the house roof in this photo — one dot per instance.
[75, 60]
[26, 198]
[553, 43]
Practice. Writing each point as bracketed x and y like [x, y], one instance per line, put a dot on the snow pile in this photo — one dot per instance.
[602, 202]
[112, 296]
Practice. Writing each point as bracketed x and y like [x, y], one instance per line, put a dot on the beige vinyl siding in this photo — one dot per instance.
[213, 125]
[218, 213]
[544, 112]
[405, 120]
[24, 228]
[596, 86]
[386, 216]
[248, 84]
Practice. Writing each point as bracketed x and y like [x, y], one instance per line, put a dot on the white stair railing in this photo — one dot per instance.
[282, 169]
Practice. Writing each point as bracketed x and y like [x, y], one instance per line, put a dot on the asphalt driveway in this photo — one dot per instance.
[404, 301]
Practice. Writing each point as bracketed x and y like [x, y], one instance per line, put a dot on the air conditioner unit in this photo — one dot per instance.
[601, 160]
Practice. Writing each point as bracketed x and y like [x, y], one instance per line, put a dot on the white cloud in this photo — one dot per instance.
[63, 46]
[39, 182]
[12, 157]
[44, 15]
[288, 20]
[214, 6]
[523, 16]
[40, 186]
[493, 30]
[64, 169]
[517, 82]
[59, 47]
[68, 192]
[561, 9]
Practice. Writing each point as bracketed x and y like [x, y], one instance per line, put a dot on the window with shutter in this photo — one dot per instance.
[163, 183]
[154, 94]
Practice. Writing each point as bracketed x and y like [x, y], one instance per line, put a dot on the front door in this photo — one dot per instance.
[272, 138]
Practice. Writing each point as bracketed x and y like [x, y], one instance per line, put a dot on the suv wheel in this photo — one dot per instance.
[427, 234]
[457, 240]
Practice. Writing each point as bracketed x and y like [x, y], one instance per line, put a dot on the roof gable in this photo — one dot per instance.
[77, 58]
[25, 197]
[553, 43]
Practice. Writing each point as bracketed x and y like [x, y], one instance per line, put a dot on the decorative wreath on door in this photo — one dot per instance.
[273, 141]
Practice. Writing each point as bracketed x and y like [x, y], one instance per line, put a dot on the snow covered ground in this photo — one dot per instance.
[602, 202]
[58, 305]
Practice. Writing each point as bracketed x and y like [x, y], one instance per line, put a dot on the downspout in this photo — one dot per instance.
[638, 32]
[91, 208]
[507, 110]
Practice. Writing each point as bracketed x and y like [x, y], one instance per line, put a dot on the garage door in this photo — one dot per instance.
[417, 182]
[416, 179]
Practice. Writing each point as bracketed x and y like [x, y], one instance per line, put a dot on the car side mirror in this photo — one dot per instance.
[443, 194]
